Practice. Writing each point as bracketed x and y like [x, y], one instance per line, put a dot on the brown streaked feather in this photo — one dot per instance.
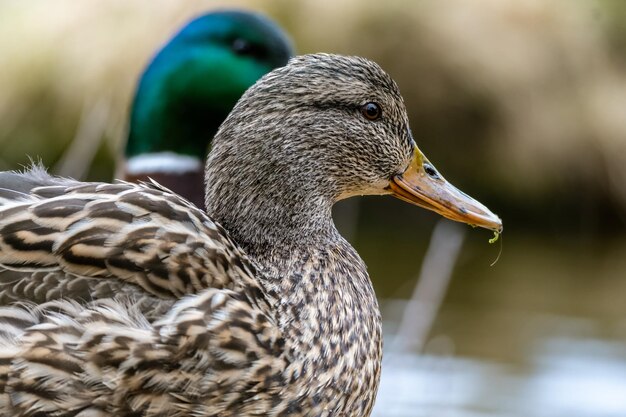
[201, 359]
[94, 240]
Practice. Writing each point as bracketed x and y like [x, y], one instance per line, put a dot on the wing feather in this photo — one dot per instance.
[138, 237]
[212, 353]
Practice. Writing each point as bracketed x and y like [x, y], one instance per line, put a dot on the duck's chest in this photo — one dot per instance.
[329, 314]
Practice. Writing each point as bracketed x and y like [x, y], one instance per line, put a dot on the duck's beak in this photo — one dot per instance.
[422, 185]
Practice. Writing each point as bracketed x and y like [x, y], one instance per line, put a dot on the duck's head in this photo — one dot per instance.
[323, 128]
[193, 82]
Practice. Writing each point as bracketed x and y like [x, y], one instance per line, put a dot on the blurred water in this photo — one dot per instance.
[542, 333]
[560, 377]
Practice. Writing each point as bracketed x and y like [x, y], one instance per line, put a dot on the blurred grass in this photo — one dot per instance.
[519, 102]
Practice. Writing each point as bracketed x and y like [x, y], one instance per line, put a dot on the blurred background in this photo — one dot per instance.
[522, 104]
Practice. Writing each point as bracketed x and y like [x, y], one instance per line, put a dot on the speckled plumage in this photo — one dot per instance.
[90, 241]
[282, 319]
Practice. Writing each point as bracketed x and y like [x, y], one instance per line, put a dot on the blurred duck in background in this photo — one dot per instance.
[189, 88]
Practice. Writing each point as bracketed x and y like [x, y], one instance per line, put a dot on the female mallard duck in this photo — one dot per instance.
[282, 319]
[187, 91]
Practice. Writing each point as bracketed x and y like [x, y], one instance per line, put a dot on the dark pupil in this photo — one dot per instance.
[244, 47]
[372, 111]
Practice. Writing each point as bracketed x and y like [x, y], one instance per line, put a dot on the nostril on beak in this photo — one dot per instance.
[431, 171]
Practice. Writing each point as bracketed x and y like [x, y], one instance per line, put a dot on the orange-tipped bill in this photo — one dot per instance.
[422, 185]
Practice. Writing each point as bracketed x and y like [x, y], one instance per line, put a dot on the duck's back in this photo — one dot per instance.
[85, 241]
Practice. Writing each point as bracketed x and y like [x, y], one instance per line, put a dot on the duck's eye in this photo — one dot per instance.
[431, 171]
[371, 111]
[243, 47]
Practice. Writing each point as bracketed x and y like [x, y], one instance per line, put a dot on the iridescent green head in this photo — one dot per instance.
[194, 81]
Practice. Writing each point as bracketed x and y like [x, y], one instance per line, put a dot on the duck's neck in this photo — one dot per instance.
[267, 220]
[173, 117]
[162, 121]
[321, 291]
[177, 107]
[182, 174]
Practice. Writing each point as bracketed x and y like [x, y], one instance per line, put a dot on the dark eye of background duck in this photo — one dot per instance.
[244, 47]
[371, 111]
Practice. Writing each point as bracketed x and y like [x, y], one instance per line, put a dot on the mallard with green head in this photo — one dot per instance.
[187, 91]
[277, 317]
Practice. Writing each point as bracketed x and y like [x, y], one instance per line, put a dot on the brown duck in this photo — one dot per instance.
[277, 315]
